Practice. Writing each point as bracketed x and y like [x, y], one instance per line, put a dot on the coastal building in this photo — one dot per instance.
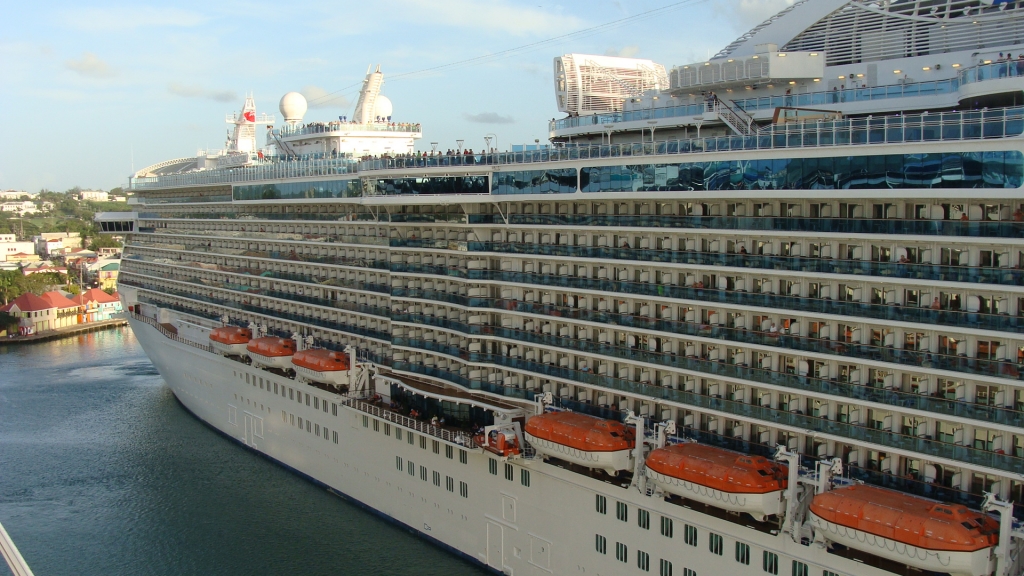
[94, 195]
[106, 275]
[42, 267]
[36, 314]
[13, 250]
[21, 208]
[13, 194]
[97, 305]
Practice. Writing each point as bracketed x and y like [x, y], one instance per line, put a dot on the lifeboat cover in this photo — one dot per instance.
[321, 360]
[582, 432]
[719, 469]
[231, 335]
[272, 346]
[909, 519]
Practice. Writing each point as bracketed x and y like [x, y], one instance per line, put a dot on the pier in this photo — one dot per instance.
[65, 332]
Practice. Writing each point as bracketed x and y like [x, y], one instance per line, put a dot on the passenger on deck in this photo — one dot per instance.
[433, 421]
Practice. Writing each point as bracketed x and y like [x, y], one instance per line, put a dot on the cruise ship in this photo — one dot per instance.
[761, 314]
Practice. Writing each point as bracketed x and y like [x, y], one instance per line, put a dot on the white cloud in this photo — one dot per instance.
[488, 118]
[128, 17]
[193, 91]
[745, 14]
[624, 52]
[490, 16]
[90, 66]
[317, 97]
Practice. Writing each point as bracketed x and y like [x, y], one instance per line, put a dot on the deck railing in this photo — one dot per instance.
[451, 436]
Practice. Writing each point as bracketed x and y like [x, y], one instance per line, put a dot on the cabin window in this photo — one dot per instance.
[770, 562]
[602, 504]
[398, 462]
[449, 483]
[300, 422]
[643, 519]
[492, 466]
[334, 408]
[387, 429]
[664, 567]
[437, 479]
[423, 442]
[316, 400]
[307, 399]
[509, 472]
[601, 544]
[463, 456]
[411, 468]
[376, 425]
[437, 447]
[829, 573]
[317, 429]
[410, 438]
[643, 561]
[335, 436]
[799, 568]
[398, 433]
[743, 553]
[524, 477]
[449, 452]
[690, 535]
[666, 527]
[275, 387]
[464, 490]
[715, 543]
[291, 394]
[622, 511]
[423, 473]
[689, 572]
[621, 552]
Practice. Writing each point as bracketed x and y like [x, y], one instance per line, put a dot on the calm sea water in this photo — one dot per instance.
[103, 472]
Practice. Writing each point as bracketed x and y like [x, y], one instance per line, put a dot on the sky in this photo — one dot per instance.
[93, 89]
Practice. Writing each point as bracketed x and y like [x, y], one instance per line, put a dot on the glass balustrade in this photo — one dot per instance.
[985, 228]
[974, 275]
[271, 312]
[1001, 322]
[832, 387]
[772, 416]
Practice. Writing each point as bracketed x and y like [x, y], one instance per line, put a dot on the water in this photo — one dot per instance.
[103, 472]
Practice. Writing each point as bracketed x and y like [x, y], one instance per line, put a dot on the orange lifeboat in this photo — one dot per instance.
[320, 365]
[230, 340]
[503, 441]
[586, 440]
[909, 529]
[271, 352]
[719, 477]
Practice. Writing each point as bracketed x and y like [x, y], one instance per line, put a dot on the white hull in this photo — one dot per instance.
[757, 505]
[545, 528]
[957, 563]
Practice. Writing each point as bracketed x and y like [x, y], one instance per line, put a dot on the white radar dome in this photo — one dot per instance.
[382, 108]
[292, 107]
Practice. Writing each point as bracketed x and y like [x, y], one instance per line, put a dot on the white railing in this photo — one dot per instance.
[11, 554]
[456, 437]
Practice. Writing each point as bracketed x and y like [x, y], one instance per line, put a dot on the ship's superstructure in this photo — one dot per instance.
[767, 317]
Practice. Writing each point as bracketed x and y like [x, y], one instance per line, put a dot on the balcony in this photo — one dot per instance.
[771, 416]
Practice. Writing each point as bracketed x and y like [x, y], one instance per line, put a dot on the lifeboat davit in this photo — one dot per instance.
[911, 530]
[719, 477]
[319, 365]
[586, 440]
[271, 352]
[230, 340]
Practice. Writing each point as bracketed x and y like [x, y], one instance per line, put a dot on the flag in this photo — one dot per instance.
[249, 115]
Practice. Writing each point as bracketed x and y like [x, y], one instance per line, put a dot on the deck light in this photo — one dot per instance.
[817, 79]
[896, 71]
[782, 54]
[956, 65]
[841, 77]
[926, 68]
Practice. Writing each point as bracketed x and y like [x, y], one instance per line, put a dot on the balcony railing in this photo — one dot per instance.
[268, 169]
[261, 310]
[899, 399]
[974, 275]
[344, 127]
[771, 416]
[918, 358]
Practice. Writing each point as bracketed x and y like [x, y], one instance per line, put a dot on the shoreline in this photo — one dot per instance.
[65, 332]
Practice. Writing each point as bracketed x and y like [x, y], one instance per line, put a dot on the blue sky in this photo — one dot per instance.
[83, 85]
